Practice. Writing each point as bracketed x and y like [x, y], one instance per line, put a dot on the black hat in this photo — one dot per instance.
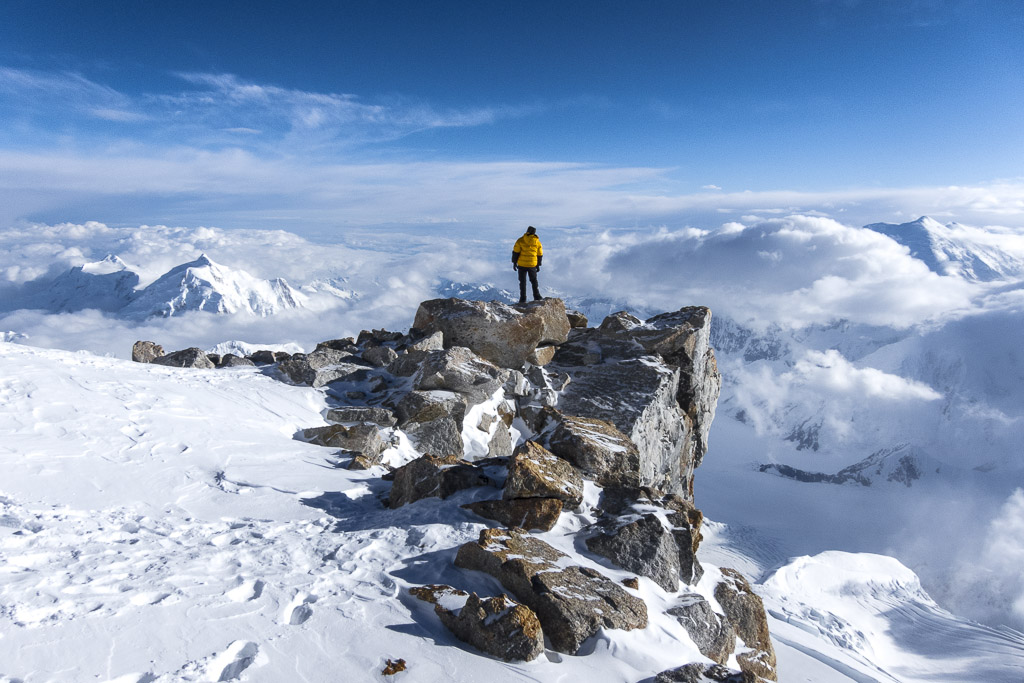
[531, 230]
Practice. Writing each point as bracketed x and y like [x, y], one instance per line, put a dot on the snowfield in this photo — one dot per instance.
[160, 524]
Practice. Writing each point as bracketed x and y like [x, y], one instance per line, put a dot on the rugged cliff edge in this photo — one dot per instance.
[591, 433]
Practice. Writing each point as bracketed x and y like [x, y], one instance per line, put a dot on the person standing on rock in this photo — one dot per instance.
[527, 255]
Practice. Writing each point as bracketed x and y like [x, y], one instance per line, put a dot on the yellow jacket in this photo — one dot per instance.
[527, 252]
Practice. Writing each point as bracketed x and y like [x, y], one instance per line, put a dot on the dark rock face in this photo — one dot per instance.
[433, 477]
[594, 446]
[705, 673]
[531, 514]
[497, 626]
[536, 473]
[505, 335]
[572, 602]
[712, 634]
[186, 358]
[745, 612]
[230, 360]
[460, 370]
[643, 546]
[146, 351]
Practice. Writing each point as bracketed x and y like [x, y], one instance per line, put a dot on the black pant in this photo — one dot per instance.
[532, 272]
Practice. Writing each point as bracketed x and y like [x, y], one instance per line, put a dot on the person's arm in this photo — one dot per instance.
[540, 257]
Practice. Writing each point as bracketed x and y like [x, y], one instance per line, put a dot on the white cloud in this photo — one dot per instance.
[830, 372]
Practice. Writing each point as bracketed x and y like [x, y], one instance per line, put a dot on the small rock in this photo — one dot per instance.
[500, 444]
[540, 514]
[362, 439]
[372, 414]
[745, 612]
[712, 634]
[633, 583]
[536, 473]
[705, 673]
[542, 355]
[393, 667]
[380, 356]
[433, 477]
[230, 360]
[576, 319]
[643, 546]
[186, 358]
[146, 351]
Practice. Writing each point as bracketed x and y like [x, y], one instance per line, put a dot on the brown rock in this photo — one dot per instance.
[433, 477]
[539, 514]
[537, 473]
[745, 612]
[594, 446]
[146, 351]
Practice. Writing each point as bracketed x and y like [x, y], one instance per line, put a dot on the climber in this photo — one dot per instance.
[527, 255]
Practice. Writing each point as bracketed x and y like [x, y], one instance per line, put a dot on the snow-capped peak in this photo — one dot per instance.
[109, 264]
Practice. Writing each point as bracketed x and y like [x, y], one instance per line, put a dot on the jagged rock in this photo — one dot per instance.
[372, 414]
[214, 358]
[712, 634]
[430, 342]
[705, 673]
[500, 444]
[505, 335]
[497, 626]
[433, 421]
[594, 446]
[323, 366]
[437, 437]
[433, 477]
[380, 356]
[460, 370]
[572, 602]
[745, 612]
[346, 344]
[186, 358]
[146, 351]
[643, 546]
[537, 473]
[516, 385]
[407, 364]
[620, 322]
[539, 514]
[576, 319]
[542, 355]
[266, 357]
[377, 337]
[362, 439]
[230, 360]
[507, 412]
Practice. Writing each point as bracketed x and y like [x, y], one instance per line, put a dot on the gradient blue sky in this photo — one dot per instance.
[379, 113]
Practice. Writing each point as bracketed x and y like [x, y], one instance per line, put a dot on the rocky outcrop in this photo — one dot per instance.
[711, 633]
[536, 473]
[572, 602]
[643, 546]
[433, 421]
[745, 612]
[497, 626]
[186, 358]
[594, 446]
[433, 477]
[505, 335]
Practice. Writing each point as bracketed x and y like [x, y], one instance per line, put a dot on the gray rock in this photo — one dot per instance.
[346, 344]
[539, 514]
[436, 437]
[745, 612]
[572, 602]
[505, 335]
[146, 351]
[264, 357]
[497, 626]
[705, 673]
[366, 414]
[407, 364]
[363, 439]
[594, 446]
[576, 319]
[186, 358]
[433, 421]
[642, 546]
[501, 442]
[711, 633]
[460, 370]
[433, 477]
[620, 322]
[230, 360]
[377, 337]
[323, 366]
[537, 473]
[430, 342]
[214, 358]
[380, 356]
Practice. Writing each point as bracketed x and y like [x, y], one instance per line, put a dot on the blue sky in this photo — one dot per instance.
[274, 114]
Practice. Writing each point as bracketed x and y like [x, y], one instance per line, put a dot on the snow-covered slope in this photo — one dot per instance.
[955, 249]
[107, 285]
[203, 285]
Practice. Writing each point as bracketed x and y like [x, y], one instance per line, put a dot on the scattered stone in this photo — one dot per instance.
[365, 414]
[745, 612]
[377, 337]
[500, 444]
[346, 344]
[425, 406]
[711, 633]
[705, 673]
[572, 602]
[438, 437]
[497, 626]
[633, 583]
[380, 356]
[230, 360]
[393, 667]
[186, 358]
[433, 477]
[323, 366]
[620, 322]
[460, 370]
[536, 473]
[362, 439]
[594, 446]
[540, 514]
[146, 351]
[643, 546]
[505, 335]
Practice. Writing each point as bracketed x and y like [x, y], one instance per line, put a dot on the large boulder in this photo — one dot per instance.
[497, 626]
[505, 335]
[433, 421]
[745, 612]
[540, 514]
[460, 370]
[186, 358]
[537, 473]
[594, 446]
[643, 546]
[322, 366]
[433, 477]
[362, 439]
[572, 602]
[711, 633]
